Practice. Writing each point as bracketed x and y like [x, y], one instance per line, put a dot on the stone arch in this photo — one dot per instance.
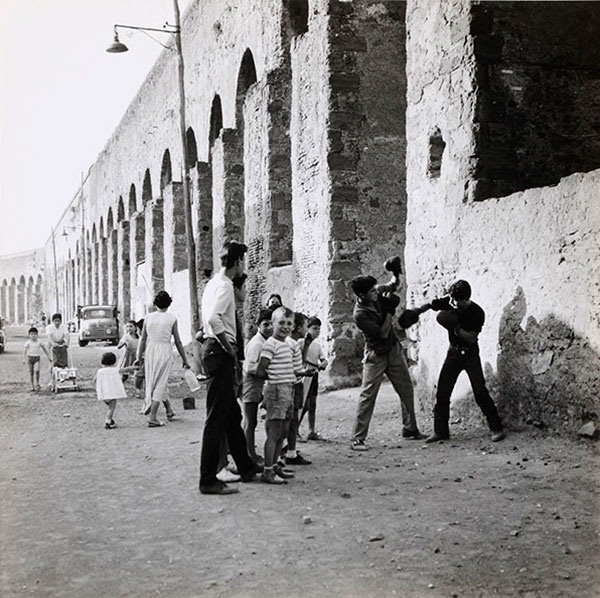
[29, 301]
[147, 188]
[111, 259]
[132, 201]
[4, 299]
[120, 209]
[102, 263]
[12, 301]
[166, 175]
[216, 120]
[94, 265]
[192, 148]
[246, 78]
[21, 315]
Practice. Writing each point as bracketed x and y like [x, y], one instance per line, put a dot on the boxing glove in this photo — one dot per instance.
[393, 265]
[441, 304]
[448, 319]
[389, 302]
[407, 318]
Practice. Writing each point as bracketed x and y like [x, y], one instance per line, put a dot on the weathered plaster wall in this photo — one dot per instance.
[532, 257]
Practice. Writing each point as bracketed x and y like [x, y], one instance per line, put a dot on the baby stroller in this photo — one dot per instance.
[64, 376]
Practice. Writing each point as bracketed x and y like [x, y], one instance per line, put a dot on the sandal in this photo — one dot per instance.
[171, 416]
[155, 424]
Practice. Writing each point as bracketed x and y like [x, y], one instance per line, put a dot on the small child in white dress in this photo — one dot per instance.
[109, 386]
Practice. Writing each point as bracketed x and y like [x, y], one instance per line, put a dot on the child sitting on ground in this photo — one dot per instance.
[280, 363]
[312, 358]
[253, 385]
[32, 354]
[109, 386]
[130, 341]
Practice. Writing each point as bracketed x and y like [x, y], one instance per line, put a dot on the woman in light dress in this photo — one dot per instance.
[155, 348]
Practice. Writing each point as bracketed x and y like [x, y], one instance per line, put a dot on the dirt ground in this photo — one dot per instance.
[89, 512]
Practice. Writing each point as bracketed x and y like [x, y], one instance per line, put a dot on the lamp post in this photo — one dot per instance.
[116, 48]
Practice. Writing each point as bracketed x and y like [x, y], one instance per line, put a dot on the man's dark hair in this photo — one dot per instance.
[460, 290]
[108, 358]
[32, 329]
[264, 315]
[238, 281]
[56, 316]
[140, 324]
[313, 321]
[231, 252]
[362, 284]
[299, 319]
[162, 299]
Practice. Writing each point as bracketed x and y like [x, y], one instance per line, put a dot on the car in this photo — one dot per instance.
[98, 323]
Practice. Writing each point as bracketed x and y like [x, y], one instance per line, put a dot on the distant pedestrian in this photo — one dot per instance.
[109, 386]
[31, 354]
[139, 378]
[155, 348]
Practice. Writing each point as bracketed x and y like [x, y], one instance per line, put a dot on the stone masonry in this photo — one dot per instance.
[331, 134]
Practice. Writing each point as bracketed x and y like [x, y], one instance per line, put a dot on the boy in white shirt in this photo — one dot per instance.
[312, 357]
[252, 389]
[280, 363]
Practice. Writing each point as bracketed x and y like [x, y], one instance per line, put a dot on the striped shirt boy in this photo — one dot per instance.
[285, 359]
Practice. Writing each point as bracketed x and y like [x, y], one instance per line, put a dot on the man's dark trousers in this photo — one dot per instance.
[457, 360]
[223, 415]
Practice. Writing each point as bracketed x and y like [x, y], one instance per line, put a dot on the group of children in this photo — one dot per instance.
[280, 371]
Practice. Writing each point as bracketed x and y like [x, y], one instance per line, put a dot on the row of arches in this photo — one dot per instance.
[140, 243]
[21, 299]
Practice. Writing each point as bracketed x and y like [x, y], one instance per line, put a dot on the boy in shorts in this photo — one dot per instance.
[280, 363]
[252, 388]
[31, 355]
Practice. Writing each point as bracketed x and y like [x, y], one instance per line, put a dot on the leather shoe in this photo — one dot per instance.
[435, 437]
[297, 460]
[412, 434]
[498, 435]
[218, 488]
[250, 475]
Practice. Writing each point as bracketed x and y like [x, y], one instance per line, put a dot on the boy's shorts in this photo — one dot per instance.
[279, 401]
[252, 389]
[31, 361]
[298, 395]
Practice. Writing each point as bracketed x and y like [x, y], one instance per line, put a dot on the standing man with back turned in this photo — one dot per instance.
[219, 358]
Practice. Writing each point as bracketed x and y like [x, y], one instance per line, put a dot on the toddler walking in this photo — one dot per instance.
[109, 386]
[32, 354]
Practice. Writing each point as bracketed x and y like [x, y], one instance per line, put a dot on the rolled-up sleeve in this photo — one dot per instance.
[221, 305]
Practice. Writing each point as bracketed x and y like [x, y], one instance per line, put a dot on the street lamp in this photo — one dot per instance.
[117, 48]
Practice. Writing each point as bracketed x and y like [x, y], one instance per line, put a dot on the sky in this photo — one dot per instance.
[61, 96]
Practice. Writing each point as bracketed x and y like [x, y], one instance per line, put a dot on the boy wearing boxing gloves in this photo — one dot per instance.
[463, 319]
[373, 311]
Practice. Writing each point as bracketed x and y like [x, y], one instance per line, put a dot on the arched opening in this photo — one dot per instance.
[166, 176]
[109, 221]
[120, 210]
[216, 120]
[4, 299]
[12, 301]
[246, 78]
[298, 11]
[94, 265]
[192, 148]
[21, 305]
[29, 301]
[132, 201]
[146, 188]
[112, 254]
